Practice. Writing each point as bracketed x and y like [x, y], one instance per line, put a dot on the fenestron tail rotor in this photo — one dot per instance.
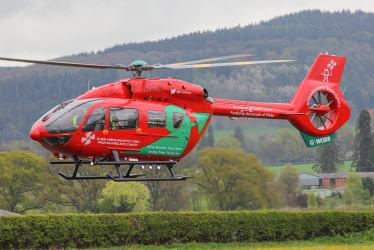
[322, 112]
[138, 67]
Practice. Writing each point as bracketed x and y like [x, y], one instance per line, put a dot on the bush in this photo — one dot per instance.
[104, 230]
[312, 200]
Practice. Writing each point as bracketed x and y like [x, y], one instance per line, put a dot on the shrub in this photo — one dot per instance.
[104, 230]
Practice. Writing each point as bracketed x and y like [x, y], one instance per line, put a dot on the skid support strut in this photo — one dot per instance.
[121, 177]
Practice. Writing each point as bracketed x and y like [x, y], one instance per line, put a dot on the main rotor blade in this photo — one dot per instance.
[210, 60]
[95, 66]
[217, 64]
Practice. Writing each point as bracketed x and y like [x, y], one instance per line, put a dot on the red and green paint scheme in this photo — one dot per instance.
[175, 143]
[317, 109]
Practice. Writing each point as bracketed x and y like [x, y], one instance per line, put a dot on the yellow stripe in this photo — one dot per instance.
[242, 63]
[202, 65]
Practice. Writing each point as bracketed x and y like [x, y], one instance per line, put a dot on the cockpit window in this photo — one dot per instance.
[96, 120]
[56, 108]
[123, 118]
[67, 118]
[156, 119]
[177, 120]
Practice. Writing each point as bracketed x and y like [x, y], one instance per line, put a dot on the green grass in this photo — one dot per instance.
[307, 168]
[359, 239]
[254, 132]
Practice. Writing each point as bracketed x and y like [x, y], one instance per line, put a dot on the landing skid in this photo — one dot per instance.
[121, 177]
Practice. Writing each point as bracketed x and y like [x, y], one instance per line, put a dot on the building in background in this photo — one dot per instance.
[310, 180]
[337, 180]
[320, 193]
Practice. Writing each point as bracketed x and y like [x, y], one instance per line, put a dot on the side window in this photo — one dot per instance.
[121, 119]
[177, 120]
[156, 119]
[96, 120]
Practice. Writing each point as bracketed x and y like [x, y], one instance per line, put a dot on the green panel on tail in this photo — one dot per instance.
[313, 141]
[201, 119]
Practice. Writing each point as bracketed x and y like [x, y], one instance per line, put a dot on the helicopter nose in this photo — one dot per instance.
[35, 134]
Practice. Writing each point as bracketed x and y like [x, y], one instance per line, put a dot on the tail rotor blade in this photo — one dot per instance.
[319, 97]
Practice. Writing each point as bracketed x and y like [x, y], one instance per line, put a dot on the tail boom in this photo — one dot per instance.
[318, 108]
[236, 109]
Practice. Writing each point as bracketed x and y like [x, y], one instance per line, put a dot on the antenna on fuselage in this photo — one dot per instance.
[88, 87]
[344, 89]
[249, 99]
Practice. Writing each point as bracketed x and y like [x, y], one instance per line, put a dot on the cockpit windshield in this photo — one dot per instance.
[67, 117]
[46, 115]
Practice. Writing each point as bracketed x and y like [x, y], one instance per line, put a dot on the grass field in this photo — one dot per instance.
[257, 132]
[254, 132]
[307, 168]
[245, 246]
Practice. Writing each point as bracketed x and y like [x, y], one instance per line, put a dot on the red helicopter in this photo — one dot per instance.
[141, 121]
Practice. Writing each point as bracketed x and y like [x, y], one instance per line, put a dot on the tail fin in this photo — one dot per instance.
[320, 98]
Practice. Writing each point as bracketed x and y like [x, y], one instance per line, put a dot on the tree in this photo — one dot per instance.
[368, 184]
[348, 197]
[174, 194]
[329, 158]
[289, 177]
[269, 150]
[354, 184]
[346, 138]
[207, 140]
[210, 137]
[83, 195]
[228, 142]
[170, 196]
[238, 134]
[363, 148]
[291, 143]
[312, 201]
[231, 179]
[124, 197]
[23, 178]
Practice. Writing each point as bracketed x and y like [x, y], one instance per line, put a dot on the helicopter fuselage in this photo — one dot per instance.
[164, 119]
[142, 119]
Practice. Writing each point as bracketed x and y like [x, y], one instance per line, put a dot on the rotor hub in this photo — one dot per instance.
[138, 64]
[320, 110]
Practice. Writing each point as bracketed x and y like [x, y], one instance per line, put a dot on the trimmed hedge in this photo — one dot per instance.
[83, 231]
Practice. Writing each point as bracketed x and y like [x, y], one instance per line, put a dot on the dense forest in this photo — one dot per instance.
[28, 92]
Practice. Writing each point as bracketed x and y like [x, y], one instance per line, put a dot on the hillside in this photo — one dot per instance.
[26, 93]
